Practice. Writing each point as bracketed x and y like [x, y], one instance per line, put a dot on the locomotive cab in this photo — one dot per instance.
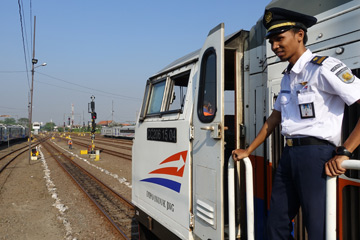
[194, 113]
[187, 128]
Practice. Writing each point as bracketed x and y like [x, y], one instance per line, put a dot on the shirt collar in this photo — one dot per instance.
[301, 62]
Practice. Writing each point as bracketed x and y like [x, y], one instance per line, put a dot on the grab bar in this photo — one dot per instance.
[331, 199]
[249, 199]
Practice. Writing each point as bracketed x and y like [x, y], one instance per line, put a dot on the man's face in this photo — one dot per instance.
[287, 45]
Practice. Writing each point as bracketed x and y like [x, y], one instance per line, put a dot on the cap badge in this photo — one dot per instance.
[268, 17]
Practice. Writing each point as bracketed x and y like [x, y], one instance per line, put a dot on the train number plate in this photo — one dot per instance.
[161, 134]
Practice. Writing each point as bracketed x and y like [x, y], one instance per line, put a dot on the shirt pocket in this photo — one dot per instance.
[306, 105]
[307, 97]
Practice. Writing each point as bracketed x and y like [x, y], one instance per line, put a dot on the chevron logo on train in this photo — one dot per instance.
[171, 166]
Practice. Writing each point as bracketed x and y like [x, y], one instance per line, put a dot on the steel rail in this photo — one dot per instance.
[108, 143]
[108, 151]
[109, 139]
[22, 149]
[124, 141]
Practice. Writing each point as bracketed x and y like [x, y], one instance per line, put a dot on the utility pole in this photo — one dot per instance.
[112, 112]
[34, 61]
[82, 121]
[72, 117]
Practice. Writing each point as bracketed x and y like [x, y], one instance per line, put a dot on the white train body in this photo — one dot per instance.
[181, 152]
[107, 131]
[119, 131]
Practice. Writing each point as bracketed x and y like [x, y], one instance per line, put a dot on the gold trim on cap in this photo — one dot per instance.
[281, 25]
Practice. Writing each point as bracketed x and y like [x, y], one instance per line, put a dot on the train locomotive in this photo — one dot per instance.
[199, 108]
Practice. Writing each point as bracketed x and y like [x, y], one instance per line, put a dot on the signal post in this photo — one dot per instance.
[93, 153]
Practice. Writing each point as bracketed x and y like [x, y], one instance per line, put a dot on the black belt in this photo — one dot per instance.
[306, 141]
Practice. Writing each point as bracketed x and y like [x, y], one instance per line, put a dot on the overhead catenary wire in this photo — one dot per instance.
[105, 94]
[25, 30]
[93, 89]
[76, 90]
[22, 26]
[13, 108]
[31, 16]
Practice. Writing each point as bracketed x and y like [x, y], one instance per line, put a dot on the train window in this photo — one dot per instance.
[156, 97]
[177, 92]
[165, 96]
[207, 90]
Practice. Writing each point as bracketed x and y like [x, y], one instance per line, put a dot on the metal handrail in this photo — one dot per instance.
[231, 199]
[331, 199]
[249, 199]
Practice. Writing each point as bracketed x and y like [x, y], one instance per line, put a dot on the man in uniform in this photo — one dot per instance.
[310, 108]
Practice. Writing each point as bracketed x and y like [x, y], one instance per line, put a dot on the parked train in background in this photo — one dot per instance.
[118, 131]
[13, 132]
[181, 158]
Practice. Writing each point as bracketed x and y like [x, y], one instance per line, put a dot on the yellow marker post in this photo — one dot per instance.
[97, 156]
[34, 154]
[92, 154]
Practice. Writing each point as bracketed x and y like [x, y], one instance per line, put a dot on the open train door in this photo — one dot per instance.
[208, 143]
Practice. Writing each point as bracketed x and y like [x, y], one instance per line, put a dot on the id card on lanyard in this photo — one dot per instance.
[307, 110]
[306, 100]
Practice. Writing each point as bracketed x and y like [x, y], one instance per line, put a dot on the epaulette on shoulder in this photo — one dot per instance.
[318, 60]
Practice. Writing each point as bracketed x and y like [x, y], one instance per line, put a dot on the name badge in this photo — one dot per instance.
[306, 104]
[307, 110]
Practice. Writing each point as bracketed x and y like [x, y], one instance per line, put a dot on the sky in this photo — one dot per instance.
[107, 49]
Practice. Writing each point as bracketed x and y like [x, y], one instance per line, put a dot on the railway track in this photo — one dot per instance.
[128, 142]
[106, 150]
[107, 140]
[11, 156]
[117, 210]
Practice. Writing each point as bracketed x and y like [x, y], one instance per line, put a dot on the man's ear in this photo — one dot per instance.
[300, 35]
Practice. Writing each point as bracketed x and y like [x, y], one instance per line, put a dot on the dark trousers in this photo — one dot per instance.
[300, 180]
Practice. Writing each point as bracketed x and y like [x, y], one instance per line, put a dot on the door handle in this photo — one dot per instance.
[215, 129]
[209, 128]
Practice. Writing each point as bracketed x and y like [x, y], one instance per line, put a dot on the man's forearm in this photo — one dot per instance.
[270, 124]
[353, 141]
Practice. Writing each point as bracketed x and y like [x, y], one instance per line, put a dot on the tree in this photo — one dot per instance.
[49, 126]
[10, 121]
[23, 121]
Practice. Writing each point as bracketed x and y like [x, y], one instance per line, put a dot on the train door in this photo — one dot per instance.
[5, 134]
[208, 143]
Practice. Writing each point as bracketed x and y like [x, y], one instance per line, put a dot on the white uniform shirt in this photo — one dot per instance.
[318, 92]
